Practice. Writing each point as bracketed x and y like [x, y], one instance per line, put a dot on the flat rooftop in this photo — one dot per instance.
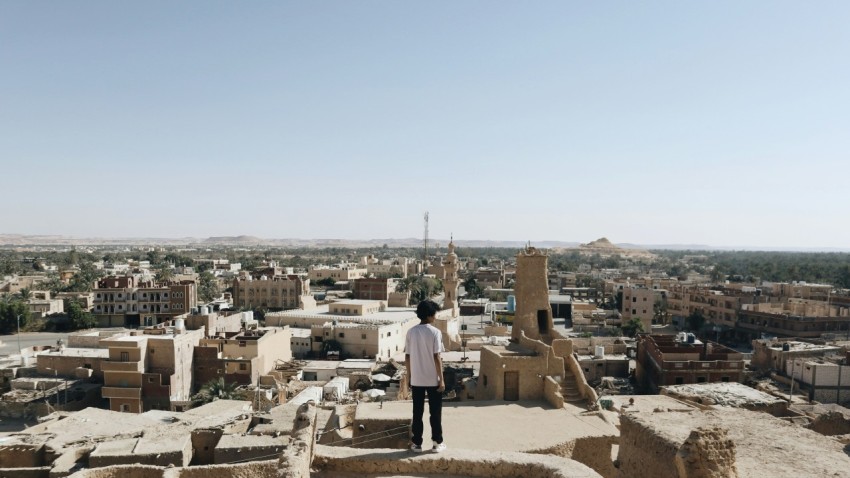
[322, 314]
[76, 352]
[725, 394]
[800, 346]
[647, 403]
[499, 425]
[321, 365]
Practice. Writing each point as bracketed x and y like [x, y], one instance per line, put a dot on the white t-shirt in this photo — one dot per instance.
[422, 342]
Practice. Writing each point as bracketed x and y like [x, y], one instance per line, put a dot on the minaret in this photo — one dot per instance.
[450, 281]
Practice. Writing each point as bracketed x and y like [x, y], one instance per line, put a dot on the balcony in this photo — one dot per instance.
[118, 366]
[121, 392]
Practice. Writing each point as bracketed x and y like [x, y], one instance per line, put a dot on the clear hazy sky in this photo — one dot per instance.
[721, 123]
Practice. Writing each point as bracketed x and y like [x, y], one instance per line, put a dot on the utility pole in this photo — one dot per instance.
[19, 338]
[425, 241]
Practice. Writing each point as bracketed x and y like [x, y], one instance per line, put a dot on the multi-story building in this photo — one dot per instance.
[151, 370]
[682, 359]
[792, 318]
[380, 340]
[385, 268]
[719, 305]
[124, 302]
[799, 290]
[490, 277]
[340, 273]
[639, 302]
[272, 292]
[242, 357]
[381, 335]
[374, 288]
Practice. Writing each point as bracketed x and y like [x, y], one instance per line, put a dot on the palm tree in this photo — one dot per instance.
[25, 293]
[213, 390]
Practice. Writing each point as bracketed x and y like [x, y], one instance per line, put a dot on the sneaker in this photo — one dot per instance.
[439, 447]
[415, 448]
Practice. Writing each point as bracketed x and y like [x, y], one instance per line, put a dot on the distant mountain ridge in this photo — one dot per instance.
[248, 241]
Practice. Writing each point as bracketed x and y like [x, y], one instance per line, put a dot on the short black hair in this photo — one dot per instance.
[426, 309]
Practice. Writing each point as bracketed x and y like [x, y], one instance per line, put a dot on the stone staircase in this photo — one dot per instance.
[570, 391]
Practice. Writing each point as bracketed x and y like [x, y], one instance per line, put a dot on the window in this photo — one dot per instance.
[700, 379]
[363, 336]
[680, 380]
[125, 407]
[152, 350]
[150, 379]
[342, 335]
[243, 366]
[125, 356]
[485, 380]
[242, 343]
[724, 379]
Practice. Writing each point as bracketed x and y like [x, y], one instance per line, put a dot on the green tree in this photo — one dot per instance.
[154, 257]
[213, 390]
[79, 317]
[9, 312]
[659, 311]
[695, 321]
[473, 290]
[208, 289]
[164, 273]
[326, 282]
[632, 327]
[25, 293]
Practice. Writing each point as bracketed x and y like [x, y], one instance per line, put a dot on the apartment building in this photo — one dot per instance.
[382, 332]
[639, 302]
[379, 340]
[490, 277]
[385, 268]
[682, 359]
[273, 292]
[374, 288]
[242, 357]
[340, 273]
[792, 318]
[124, 302]
[151, 370]
[799, 290]
[719, 305]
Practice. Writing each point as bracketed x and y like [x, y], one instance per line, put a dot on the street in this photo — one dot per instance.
[28, 339]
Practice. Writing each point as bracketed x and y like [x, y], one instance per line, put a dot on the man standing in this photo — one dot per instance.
[422, 349]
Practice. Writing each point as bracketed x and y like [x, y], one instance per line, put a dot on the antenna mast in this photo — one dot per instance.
[426, 236]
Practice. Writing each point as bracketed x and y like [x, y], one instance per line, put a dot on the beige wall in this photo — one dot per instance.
[337, 274]
[280, 292]
[366, 307]
[361, 341]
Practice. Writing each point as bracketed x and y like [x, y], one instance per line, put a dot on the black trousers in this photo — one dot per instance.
[435, 410]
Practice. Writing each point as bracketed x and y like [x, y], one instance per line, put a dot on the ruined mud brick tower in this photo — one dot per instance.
[450, 280]
[533, 313]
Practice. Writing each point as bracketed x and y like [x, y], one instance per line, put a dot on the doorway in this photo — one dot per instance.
[543, 321]
[511, 386]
